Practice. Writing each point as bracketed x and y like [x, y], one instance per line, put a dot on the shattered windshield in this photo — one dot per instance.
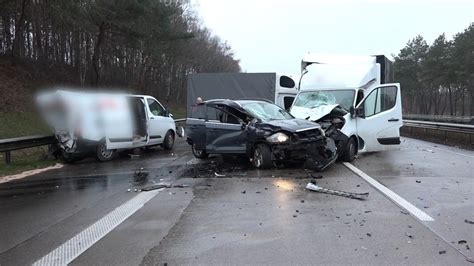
[265, 111]
[313, 99]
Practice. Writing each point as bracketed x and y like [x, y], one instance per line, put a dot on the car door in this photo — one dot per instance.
[196, 126]
[224, 131]
[157, 121]
[379, 118]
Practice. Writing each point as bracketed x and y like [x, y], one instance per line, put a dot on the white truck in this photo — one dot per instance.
[354, 100]
[278, 88]
[101, 124]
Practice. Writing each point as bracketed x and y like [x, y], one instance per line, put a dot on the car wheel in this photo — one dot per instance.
[200, 154]
[262, 157]
[350, 151]
[168, 143]
[103, 154]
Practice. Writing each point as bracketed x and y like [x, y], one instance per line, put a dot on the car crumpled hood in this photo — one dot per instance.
[292, 125]
[314, 114]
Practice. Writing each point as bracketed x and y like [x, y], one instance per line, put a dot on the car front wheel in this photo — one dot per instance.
[200, 154]
[262, 157]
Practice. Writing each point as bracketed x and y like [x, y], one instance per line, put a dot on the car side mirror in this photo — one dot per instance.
[243, 126]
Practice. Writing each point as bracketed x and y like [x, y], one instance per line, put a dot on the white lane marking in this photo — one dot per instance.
[77, 245]
[421, 215]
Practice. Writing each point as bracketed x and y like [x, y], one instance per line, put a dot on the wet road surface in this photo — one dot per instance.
[248, 216]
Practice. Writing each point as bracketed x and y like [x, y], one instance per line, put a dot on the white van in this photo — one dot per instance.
[353, 99]
[101, 124]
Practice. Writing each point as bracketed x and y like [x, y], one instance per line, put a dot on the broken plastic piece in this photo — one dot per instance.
[360, 196]
[218, 175]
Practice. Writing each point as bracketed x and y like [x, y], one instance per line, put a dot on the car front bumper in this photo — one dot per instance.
[315, 154]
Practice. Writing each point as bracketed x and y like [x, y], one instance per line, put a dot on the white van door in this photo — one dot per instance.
[158, 121]
[117, 121]
[379, 118]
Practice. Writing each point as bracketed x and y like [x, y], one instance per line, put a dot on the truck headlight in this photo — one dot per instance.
[278, 138]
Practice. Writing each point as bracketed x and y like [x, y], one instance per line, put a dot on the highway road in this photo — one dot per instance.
[419, 211]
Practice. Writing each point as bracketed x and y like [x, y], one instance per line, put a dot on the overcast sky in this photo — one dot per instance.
[273, 35]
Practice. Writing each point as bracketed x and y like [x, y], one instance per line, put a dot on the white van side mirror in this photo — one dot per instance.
[357, 112]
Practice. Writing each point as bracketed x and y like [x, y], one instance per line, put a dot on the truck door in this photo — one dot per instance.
[224, 132]
[116, 119]
[379, 118]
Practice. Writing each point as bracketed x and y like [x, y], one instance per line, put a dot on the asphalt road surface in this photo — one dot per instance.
[419, 211]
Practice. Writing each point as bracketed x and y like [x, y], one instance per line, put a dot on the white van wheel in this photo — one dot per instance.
[168, 142]
[103, 154]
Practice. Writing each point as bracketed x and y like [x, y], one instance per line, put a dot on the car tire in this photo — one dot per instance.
[200, 154]
[350, 151]
[168, 143]
[103, 154]
[262, 157]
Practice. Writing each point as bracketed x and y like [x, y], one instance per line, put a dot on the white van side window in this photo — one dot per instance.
[380, 100]
[155, 108]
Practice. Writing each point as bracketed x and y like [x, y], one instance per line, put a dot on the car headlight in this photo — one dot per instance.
[278, 138]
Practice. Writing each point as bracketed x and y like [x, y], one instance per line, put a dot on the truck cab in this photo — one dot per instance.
[357, 93]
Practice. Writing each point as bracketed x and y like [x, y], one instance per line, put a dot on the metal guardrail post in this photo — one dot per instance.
[8, 157]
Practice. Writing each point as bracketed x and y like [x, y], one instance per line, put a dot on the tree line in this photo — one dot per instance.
[438, 79]
[148, 45]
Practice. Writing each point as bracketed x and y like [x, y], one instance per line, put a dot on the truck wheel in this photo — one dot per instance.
[200, 154]
[168, 143]
[262, 157]
[350, 151]
[103, 154]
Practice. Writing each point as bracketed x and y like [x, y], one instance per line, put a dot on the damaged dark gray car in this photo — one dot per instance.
[261, 130]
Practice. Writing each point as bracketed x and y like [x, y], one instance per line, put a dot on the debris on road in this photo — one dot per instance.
[462, 242]
[442, 252]
[219, 175]
[141, 173]
[134, 156]
[418, 181]
[316, 176]
[157, 186]
[181, 186]
[314, 187]
[468, 221]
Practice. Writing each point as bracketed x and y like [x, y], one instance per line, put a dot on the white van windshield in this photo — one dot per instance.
[313, 99]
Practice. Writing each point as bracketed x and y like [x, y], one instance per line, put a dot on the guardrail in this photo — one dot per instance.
[440, 118]
[13, 144]
[446, 127]
[9, 145]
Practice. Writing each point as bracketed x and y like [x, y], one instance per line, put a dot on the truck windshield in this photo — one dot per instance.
[313, 99]
[265, 111]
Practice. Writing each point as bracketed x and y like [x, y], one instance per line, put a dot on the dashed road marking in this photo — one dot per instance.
[77, 245]
[419, 214]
